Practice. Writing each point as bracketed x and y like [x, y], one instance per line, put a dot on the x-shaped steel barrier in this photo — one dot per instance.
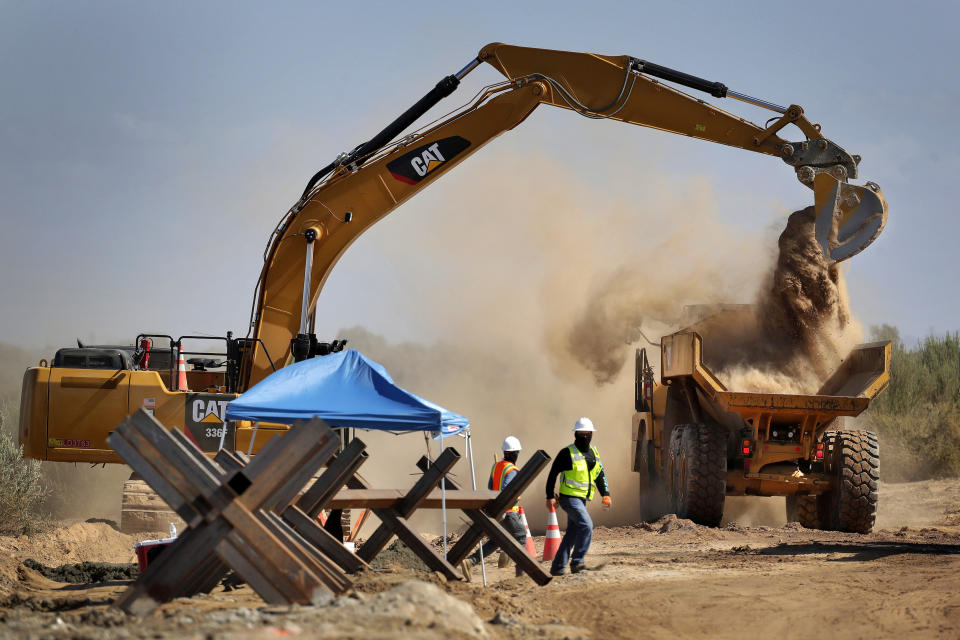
[485, 519]
[229, 515]
[249, 515]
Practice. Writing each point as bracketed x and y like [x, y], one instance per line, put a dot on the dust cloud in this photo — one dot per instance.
[538, 305]
[754, 511]
[788, 341]
[522, 295]
[802, 326]
[79, 491]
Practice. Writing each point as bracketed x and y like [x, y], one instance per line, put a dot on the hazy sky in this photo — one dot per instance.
[147, 150]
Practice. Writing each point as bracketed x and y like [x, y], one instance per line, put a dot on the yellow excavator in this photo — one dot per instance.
[70, 404]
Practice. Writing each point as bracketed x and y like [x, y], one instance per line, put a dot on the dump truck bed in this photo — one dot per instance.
[862, 375]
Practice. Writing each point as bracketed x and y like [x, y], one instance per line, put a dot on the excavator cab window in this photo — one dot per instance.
[92, 358]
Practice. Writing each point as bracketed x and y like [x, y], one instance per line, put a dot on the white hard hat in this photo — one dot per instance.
[511, 444]
[584, 424]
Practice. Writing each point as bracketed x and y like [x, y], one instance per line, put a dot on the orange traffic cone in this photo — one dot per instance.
[552, 542]
[181, 372]
[531, 549]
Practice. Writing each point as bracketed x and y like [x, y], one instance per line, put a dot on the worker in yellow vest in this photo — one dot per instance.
[502, 473]
[580, 469]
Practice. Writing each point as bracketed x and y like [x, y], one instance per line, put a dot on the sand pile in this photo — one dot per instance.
[95, 542]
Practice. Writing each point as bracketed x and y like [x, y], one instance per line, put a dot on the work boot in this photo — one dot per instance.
[503, 561]
[466, 569]
[578, 568]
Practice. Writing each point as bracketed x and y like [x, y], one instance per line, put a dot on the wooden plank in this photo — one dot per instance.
[391, 499]
[512, 548]
[312, 534]
[267, 452]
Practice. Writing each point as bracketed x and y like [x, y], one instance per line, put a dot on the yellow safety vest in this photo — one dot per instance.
[578, 481]
[497, 474]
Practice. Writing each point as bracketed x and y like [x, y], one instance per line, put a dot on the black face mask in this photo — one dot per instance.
[511, 456]
[582, 440]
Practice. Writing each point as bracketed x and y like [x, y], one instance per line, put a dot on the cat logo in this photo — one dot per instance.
[209, 411]
[204, 420]
[414, 166]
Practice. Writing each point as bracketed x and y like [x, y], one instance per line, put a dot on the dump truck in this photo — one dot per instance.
[696, 442]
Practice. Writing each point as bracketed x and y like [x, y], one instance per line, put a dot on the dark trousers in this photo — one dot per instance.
[334, 524]
[511, 522]
[579, 533]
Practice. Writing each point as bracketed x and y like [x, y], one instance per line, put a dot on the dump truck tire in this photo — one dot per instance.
[855, 462]
[654, 502]
[698, 472]
[803, 509]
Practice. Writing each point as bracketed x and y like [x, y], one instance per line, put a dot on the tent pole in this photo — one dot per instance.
[443, 500]
[252, 438]
[223, 435]
[473, 481]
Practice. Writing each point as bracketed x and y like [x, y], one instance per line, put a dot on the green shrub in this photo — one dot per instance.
[918, 416]
[21, 489]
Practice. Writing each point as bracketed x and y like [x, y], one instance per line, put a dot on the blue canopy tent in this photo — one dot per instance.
[347, 390]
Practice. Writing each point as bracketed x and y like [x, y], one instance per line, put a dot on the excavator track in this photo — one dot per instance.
[143, 511]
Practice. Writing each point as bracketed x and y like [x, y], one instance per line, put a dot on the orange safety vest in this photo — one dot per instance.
[499, 471]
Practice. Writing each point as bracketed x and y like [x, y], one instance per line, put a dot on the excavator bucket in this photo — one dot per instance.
[849, 217]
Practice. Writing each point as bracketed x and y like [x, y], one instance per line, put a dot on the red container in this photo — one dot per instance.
[147, 551]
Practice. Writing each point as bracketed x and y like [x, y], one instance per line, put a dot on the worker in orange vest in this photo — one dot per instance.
[502, 473]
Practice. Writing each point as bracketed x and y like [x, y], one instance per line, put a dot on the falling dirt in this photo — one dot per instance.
[801, 326]
[789, 341]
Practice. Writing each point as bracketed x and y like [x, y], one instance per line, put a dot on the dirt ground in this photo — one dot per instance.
[666, 579]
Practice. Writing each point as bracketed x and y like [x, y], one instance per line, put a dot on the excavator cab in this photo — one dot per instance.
[69, 406]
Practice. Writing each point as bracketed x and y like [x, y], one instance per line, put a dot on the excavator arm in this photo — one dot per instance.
[362, 186]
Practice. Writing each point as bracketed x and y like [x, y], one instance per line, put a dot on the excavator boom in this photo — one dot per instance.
[362, 186]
